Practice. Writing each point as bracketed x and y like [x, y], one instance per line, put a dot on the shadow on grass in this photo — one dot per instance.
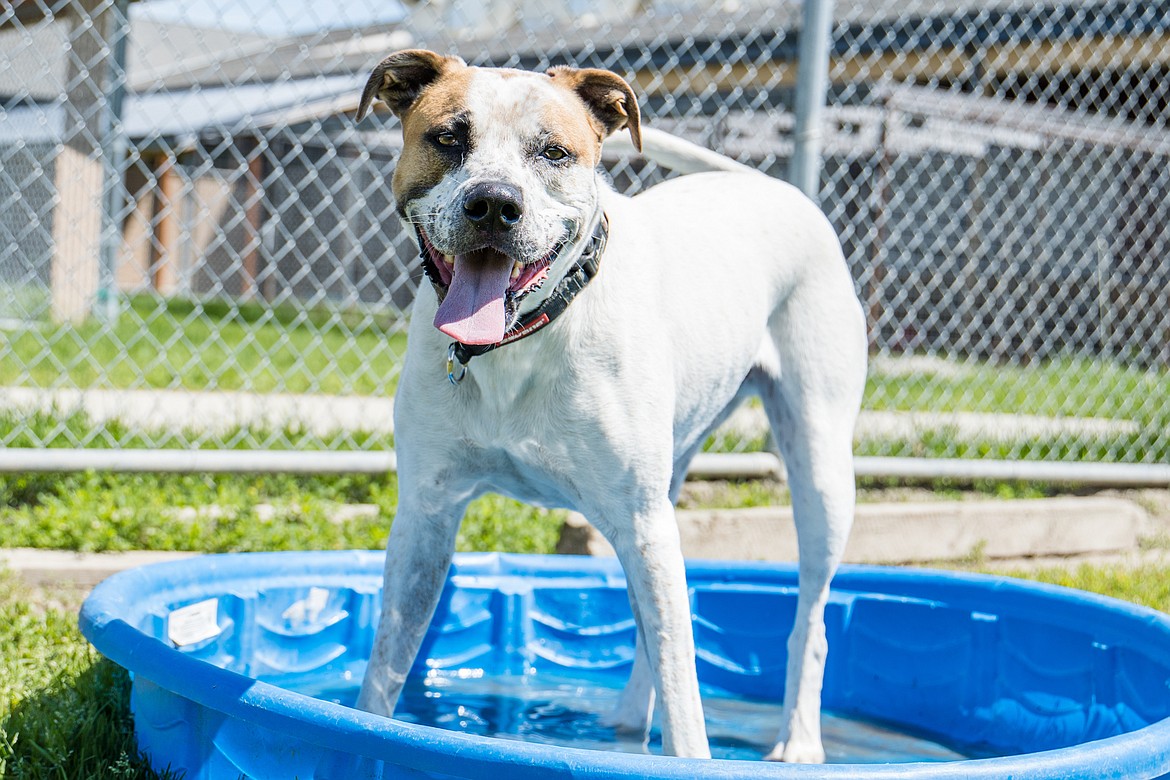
[79, 727]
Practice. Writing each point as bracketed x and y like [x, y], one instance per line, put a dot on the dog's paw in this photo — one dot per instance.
[626, 720]
[635, 707]
[796, 753]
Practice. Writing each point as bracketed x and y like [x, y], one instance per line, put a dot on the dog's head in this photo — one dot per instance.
[497, 175]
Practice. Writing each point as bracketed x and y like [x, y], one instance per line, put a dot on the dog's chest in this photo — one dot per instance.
[532, 471]
[533, 460]
[517, 432]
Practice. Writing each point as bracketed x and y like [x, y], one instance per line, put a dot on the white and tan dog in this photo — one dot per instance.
[681, 301]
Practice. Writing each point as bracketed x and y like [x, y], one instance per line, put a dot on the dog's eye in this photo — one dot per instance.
[446, 139]
[555, 153]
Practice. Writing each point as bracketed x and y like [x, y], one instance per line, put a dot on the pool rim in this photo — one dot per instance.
[1144, 752]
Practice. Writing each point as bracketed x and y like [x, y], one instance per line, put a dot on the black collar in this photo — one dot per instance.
[573, 282]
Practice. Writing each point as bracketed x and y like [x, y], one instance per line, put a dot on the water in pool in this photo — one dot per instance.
[567, 712]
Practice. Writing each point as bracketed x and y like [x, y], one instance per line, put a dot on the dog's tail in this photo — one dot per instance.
[675, 153]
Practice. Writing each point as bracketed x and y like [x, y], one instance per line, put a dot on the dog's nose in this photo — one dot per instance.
[493, 205]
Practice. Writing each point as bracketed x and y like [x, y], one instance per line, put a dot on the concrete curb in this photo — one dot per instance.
[910, 532]
[219, 410]
[64, 567]
[1053, 529]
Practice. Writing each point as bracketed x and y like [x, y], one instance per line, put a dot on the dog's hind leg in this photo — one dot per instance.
[635, 706]
[812, 403]
[418, 556]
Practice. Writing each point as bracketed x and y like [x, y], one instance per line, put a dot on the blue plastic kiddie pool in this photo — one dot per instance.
[242, 666]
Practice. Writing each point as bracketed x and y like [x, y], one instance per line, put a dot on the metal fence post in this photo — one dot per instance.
[812, 85]
[113, 148]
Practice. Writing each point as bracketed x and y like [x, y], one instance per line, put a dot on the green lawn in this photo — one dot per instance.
[232, 513]
[76, 429]
[213, 345]
[1069, 387]
[224, 345]
[64, 710]
[1150, 445]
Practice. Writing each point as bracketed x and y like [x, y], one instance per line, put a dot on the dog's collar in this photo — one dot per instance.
[573, 282]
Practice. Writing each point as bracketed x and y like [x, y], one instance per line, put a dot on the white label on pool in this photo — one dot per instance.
[193, 623]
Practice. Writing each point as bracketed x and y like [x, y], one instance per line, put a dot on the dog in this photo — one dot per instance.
[575, 347]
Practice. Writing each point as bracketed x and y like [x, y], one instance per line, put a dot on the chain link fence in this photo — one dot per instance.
[198, 247]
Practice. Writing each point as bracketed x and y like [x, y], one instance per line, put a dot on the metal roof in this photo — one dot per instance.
[182, 116]
[920, 120]
[665, 35]
[244, 83]
[910, 120]
[34, 65]
[164, 53]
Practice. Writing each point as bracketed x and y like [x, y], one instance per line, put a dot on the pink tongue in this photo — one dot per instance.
[473, 310]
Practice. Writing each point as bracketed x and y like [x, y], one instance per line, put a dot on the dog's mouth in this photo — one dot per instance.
[480, 290]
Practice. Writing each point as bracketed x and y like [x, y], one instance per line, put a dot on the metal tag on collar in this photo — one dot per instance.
[451, 361]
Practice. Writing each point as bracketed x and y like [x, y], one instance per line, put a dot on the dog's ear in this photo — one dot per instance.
[608, 96]
[400, 78]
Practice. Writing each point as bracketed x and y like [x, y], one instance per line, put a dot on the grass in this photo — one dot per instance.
[1147, 585]
[1066, 387]
[1069, 387]
[225, 345]
[233, 513]
[1147, 445]
[94, 512]
[212, 345]
[73, 429]
[1150, 445]
[64, 710]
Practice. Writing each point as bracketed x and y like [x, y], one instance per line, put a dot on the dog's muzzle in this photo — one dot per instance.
[480, 291]
[573, 282]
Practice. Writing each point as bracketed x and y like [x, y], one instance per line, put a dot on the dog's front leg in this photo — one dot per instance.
[651, 555]
[418, 556]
